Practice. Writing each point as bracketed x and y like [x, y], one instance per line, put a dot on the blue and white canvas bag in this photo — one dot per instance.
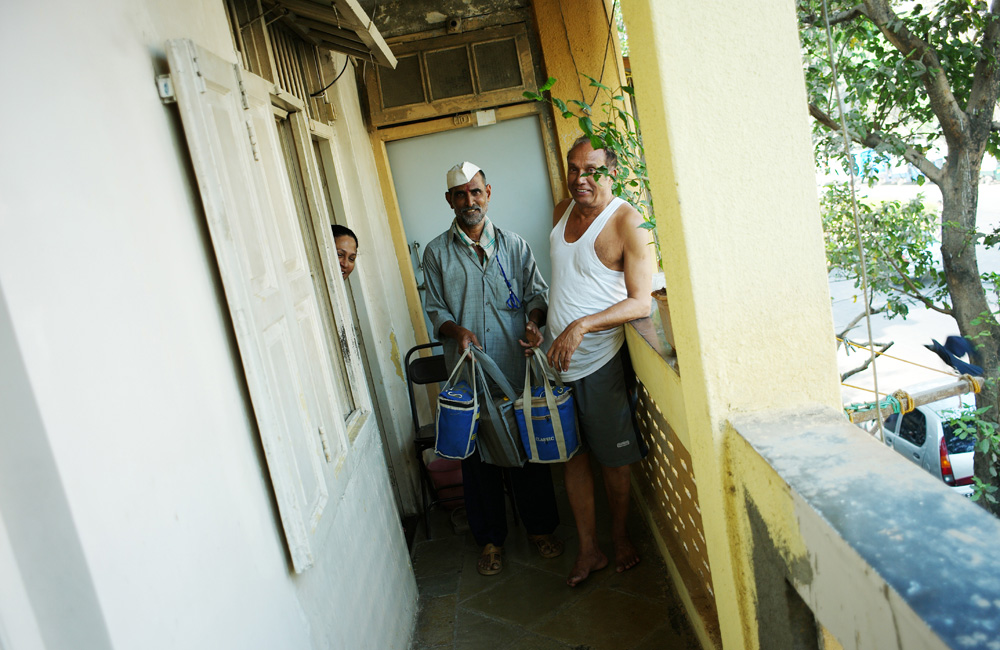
[458, 412]
[549, 431]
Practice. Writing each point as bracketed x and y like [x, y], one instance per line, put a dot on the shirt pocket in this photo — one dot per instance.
[501, 295]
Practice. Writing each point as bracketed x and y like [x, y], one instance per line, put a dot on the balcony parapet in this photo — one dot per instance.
[883, 555]
[842, 538]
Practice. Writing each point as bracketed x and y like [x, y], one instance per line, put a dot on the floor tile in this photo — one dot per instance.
[520, 549]
[475, 631]
[526, 597]
[436, 622]
[437, 556]
[528, 605]
[605, 619]
[537, 642]
[666, 637]
[441, 584]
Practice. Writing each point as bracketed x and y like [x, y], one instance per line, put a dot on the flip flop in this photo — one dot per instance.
[549, 546]
[490, 561]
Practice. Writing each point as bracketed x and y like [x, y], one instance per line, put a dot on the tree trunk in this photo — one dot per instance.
[960, 194]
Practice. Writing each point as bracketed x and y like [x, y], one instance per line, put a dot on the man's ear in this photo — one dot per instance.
[447, 197]
[489, 191]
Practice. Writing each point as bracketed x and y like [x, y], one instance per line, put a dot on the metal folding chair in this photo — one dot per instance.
[422, 371]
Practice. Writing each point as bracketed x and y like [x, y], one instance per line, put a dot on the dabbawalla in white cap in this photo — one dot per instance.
[461, 174]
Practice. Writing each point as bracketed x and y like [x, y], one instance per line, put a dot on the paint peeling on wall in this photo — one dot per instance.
[394, 355]
[345, 348]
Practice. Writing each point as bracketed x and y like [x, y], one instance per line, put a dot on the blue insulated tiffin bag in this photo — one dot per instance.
[549, 430]
[458, 413]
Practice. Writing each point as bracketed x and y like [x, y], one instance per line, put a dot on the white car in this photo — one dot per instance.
[924, 437]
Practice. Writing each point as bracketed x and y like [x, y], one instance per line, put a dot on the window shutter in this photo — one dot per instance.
[257, 238]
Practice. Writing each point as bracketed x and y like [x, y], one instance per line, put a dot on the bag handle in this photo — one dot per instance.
[492, 370]
[458, 366]
[472, 376]
[550, 401]
[544, 369]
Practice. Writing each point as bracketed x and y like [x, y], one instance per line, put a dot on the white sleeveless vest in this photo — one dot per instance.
[582, 285]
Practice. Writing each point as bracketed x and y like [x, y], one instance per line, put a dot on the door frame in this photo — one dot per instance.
[381, 137]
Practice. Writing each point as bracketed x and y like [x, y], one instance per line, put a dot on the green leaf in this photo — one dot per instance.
[587, 126]
[548, 84]
[560, 104]
[597, 84]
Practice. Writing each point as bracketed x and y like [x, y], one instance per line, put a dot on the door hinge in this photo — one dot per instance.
[326, 445]
[243, 90]
[252, 135]
[165, 86]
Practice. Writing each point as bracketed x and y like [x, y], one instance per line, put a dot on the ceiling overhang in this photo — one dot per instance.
[339, 25]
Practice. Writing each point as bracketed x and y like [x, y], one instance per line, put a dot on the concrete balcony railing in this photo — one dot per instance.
[837, 540]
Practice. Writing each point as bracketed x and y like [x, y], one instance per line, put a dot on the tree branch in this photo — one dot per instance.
[835, 19]
[914, 292]
[882, 348]
[953, 119]
[857, 319]
[986, 78]
[912, 156]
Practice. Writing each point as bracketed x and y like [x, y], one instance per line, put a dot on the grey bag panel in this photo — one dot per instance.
[499, 439]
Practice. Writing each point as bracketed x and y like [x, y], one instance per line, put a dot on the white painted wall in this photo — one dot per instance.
[376, 282]
[118, 315]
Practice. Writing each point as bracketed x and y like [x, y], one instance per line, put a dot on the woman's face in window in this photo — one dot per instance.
[347, 253]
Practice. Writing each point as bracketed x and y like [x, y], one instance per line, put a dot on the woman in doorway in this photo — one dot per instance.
[347, 249]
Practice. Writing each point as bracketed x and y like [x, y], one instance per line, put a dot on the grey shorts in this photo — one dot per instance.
[604, 414]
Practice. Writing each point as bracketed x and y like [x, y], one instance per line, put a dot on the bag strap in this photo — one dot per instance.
[550, 402]
[491, 408]
[545, 369]
[492, 370]
[458, 366]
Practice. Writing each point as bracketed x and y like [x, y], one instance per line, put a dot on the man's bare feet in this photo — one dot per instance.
[626, 556]
[584, 565]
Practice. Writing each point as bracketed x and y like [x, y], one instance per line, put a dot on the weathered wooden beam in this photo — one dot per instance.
[369, 34]
[920, 398]
[345, 16]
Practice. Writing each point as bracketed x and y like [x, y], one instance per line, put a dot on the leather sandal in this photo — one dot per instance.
[490, 561]
[549, 546]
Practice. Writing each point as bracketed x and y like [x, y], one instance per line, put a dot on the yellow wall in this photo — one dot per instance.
[574, 37]
[727, 142]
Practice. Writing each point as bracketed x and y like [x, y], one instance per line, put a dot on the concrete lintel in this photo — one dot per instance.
[896, 558]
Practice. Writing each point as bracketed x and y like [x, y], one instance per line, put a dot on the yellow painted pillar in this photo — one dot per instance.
[578, 37]
[721, 95]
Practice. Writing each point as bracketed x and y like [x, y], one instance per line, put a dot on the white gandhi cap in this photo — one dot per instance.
[461, 174]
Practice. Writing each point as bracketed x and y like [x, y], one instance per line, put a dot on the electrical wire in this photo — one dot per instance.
[327, 87]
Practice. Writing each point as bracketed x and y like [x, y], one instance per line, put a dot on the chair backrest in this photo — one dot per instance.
[423, 370]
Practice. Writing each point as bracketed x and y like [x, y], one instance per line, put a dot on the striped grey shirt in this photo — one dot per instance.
[460, 290]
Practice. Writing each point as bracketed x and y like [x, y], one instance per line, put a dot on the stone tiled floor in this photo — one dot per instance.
[528, 605]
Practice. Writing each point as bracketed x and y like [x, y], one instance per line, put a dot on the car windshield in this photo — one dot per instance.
[955, 444]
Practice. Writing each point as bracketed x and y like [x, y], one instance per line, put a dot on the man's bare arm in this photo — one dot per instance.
[638, 267]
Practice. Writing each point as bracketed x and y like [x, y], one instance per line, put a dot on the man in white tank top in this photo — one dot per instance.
[602, 265]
